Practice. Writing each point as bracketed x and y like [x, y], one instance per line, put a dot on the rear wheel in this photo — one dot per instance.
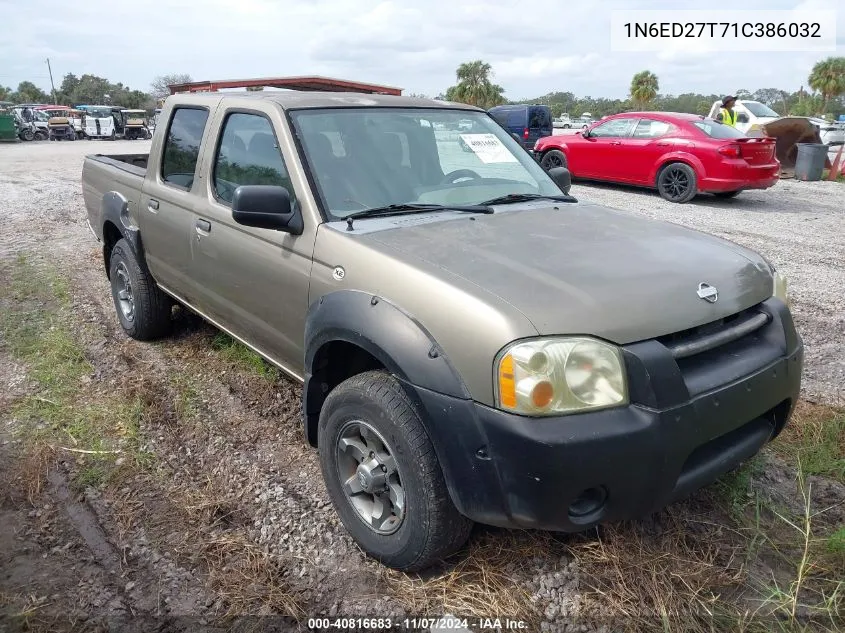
[383, 476]
[553, 158]
[27, 135]
[143, 309]
[727, 194]
[676, 182]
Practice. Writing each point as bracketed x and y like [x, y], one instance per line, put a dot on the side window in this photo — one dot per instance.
[613, 128]
[648, 128]
[248, 154]
[182, 146]
[516, 118]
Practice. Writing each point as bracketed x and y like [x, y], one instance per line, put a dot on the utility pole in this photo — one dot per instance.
[52, 85]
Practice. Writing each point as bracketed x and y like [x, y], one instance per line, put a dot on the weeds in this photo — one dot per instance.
[816, 437]
[244, 358]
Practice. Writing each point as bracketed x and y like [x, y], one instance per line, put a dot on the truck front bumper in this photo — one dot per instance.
[679, 433]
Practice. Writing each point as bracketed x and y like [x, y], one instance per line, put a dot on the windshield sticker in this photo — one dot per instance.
[489, 148]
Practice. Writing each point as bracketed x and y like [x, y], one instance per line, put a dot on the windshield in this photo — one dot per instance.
[40, 115]
[374, 157]
[758, 109]
[99, 113]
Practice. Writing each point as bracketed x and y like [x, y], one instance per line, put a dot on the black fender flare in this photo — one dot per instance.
[114, 208]
[388, 333]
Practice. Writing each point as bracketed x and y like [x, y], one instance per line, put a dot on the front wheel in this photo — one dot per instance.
[553, 158]
[142, 308]
[383, 476]
[676, 182]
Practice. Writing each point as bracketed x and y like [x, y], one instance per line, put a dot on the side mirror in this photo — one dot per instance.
[266, 207]
[742, 118]
[562, 178]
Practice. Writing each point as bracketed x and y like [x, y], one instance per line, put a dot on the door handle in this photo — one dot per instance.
[662, 144]
[152, 205]
[203, 227]
[616, 142]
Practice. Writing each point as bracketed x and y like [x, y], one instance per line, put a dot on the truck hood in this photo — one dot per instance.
[587, 269]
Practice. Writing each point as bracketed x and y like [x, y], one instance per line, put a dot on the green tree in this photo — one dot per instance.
[475, 86]
[28, 92]
[828, 78]
[5, 93]
[644, 87]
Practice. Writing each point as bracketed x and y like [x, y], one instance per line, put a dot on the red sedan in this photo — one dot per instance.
[678, 154]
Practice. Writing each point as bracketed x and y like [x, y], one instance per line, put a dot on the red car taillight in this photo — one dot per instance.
[525, 134]
[731, 151]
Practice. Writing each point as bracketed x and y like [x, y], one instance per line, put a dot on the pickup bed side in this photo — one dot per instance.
[111, 188]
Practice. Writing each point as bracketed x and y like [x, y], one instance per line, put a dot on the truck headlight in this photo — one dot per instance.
[779, 287]
[557, 376]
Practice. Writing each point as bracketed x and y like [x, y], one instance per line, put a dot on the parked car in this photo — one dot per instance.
[678, 154]
[474, 343]
[563, 121]
[529, 123]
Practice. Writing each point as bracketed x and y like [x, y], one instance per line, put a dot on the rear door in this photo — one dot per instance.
[252, 281]
[599, 155]
[639, 153]
[169, 198]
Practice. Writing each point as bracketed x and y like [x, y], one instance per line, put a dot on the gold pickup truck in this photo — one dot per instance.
[474, 343]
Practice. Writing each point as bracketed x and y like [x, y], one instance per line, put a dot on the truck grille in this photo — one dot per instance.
[722, 351]
[715, 334]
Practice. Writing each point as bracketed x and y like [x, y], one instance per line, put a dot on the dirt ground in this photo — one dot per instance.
[167, 486]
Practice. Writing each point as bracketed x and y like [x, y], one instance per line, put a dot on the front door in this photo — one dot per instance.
[252, 281]
[598, 154]
[168, 200]
[640, 152]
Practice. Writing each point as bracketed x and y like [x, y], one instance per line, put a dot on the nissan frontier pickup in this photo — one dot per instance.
[474, 344]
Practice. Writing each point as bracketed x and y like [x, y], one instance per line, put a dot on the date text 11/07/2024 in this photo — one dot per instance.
[416, 624]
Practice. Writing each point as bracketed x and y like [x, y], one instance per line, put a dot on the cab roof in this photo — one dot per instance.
[291, 99]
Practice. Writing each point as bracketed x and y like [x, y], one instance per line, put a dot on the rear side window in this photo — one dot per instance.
[182, 146]
[516, 118]
[648, 128]
[714, 129]
[248, 154]
[501, 116]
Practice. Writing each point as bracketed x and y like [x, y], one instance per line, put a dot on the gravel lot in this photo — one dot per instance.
[265, 469]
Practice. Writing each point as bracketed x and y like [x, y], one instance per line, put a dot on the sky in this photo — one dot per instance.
[534, 48]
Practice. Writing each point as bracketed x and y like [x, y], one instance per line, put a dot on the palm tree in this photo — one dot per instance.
[474, 86]
[828, 78]
[644, 87]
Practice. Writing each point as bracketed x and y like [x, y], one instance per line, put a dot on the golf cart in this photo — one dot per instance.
[33, 123]
[136, 125]
[103, 121]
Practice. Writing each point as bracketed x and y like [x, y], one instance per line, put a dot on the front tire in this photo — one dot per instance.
[553, 158]
[142, 308]
[383, 476]
[677, 182]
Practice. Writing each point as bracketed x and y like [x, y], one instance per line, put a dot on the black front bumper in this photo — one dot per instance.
[688, 423]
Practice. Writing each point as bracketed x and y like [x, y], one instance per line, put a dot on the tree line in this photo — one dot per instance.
[826, 96]
[91, 89]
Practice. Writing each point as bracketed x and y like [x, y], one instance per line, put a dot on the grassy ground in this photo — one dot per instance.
[752, 553]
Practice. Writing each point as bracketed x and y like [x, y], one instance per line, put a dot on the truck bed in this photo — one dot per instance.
[122, 173]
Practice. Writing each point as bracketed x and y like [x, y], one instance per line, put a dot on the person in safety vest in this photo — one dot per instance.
[726, 113]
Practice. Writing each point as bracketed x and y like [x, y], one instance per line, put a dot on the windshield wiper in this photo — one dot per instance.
[525, 197]
[408, 208]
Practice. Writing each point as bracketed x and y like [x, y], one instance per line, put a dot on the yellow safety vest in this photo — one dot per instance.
[728, 117]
